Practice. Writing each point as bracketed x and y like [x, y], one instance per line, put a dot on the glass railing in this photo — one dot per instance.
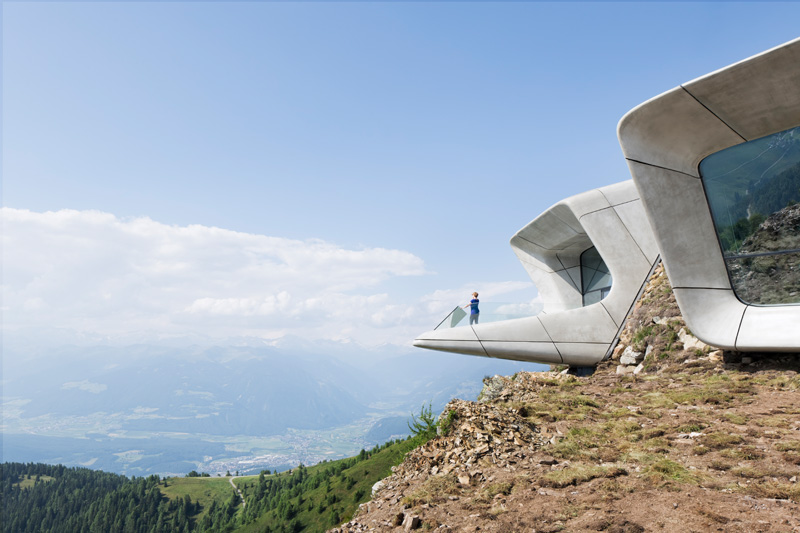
[490, 312]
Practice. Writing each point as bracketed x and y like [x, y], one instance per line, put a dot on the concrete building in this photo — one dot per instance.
[716, 167]
[589, 256]
[716, 162]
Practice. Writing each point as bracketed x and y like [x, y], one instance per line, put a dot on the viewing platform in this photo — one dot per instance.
[490, 312]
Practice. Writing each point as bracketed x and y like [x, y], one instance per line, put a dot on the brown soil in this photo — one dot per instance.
[699, 440]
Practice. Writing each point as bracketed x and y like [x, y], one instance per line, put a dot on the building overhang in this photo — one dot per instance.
[609, 218]
[664, 140]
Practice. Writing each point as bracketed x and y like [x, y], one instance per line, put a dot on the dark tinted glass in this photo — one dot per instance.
[595, 277]
[754, 192]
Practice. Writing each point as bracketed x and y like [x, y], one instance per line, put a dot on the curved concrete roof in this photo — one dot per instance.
[611, 219]
[664, 140]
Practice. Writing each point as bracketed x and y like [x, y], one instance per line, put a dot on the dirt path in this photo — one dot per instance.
[238, 490]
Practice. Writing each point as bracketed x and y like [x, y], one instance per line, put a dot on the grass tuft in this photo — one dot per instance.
[735, 418]
[434, 489]
[580, 473]
[788, 446]
[746, 453]
[717, 441]
[668, 470]
[773, 489]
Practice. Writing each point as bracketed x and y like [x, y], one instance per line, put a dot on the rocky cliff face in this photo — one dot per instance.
[670, 435]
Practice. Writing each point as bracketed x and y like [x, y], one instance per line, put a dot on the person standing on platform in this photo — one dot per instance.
[474, 313]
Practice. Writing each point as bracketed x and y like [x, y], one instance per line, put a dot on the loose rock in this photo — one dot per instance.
[631, 357]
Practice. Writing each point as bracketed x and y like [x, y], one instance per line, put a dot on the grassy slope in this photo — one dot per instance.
[201, 489]
[30, 482]
[365, 473]
[696, 446]
[636, 424]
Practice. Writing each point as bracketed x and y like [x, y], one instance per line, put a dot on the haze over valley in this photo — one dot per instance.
[151, 409]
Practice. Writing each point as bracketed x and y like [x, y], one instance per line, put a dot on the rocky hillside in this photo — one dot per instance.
[669, 435]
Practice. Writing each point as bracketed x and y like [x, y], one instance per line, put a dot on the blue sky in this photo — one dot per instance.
[322, 169]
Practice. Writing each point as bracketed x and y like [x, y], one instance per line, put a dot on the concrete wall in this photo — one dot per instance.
[664, 140]
[610, 218]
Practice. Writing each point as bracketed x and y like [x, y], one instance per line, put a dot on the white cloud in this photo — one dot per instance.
[85, 385]
[93, 272]
[97, 276]
[266, 305]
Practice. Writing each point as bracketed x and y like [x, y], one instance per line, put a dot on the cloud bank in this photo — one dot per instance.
[100, 276]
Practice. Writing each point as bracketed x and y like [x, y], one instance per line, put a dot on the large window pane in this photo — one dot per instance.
[595, 277]
[754, 193]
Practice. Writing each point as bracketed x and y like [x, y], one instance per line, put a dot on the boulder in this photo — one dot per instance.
[377, 487]
[631, 357]
[690, 342]
[411, 522]
[617, 351]
[492, 387]
[624, 369]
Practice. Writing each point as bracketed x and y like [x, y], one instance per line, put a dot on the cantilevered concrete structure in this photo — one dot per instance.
[716, 162]
[716, 166]
[572, 252]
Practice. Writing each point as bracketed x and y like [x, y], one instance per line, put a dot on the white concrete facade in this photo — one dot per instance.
[664, 212]
[613, 221]
[664, 140]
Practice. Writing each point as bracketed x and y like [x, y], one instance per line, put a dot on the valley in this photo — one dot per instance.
[145, 410]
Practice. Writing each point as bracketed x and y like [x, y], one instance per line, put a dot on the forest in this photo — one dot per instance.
[53, 498]
[45, 498]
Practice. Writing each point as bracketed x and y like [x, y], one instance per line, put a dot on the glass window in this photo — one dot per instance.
[753, 190]
[595, 277]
